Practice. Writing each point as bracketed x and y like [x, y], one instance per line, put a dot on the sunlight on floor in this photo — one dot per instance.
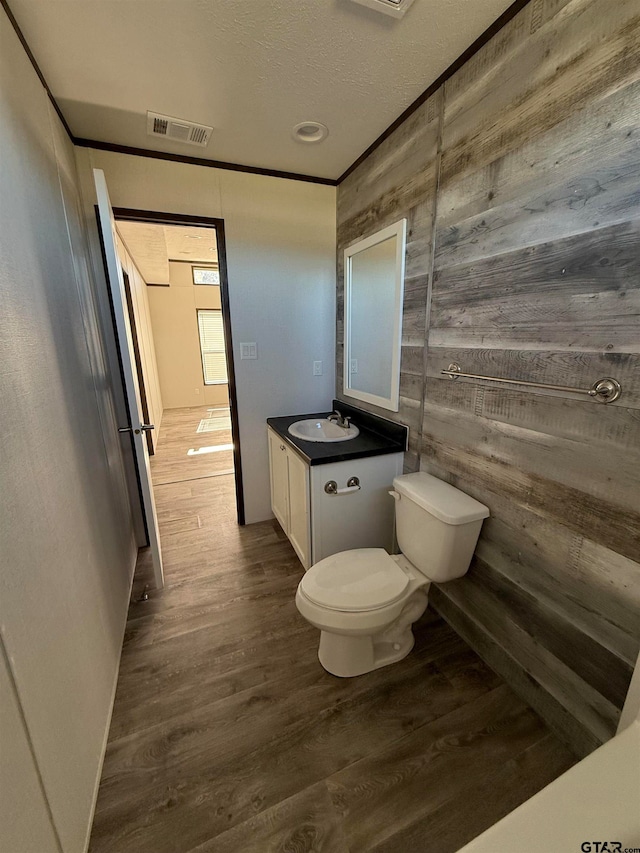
[215, 449]
[214, 423]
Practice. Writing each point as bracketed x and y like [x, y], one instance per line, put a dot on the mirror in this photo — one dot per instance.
[373, 292]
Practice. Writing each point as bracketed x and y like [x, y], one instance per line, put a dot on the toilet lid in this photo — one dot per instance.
[361, 579]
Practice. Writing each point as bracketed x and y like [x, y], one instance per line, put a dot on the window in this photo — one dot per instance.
[214, 365]
[205, 275]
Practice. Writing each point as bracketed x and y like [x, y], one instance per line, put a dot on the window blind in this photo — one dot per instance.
[214, 365]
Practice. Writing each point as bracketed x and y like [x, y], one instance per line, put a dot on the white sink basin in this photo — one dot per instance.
[321, 429]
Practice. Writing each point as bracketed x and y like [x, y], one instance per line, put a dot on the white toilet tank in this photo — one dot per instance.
[437, 525]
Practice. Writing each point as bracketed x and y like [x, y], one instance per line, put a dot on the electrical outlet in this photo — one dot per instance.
[317, 368]
[249, 350]
[354, 365]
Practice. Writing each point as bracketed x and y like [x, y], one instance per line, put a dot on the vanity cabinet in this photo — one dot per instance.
[319, 522]
[290, 495]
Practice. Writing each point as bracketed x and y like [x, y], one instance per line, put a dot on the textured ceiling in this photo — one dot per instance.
[153, 246]
[251, 68]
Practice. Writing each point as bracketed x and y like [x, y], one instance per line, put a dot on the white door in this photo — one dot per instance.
[132, 392]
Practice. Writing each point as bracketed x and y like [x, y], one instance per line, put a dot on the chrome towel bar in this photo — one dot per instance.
[605, 390]
[353, 485]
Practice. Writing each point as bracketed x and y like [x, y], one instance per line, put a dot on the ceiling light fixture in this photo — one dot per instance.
[310, 131]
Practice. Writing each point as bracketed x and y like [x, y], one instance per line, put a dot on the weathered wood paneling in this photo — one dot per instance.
[397, 181]
[537, 254]
[579, 290]
[578, 368]
[581, 54]
[535, 276]
[592, 180]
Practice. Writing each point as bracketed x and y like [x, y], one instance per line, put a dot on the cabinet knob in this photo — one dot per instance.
[282, 447]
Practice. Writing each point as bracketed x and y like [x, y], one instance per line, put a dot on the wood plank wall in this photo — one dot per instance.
[536, 276]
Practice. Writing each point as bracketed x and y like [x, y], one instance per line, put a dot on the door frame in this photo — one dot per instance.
[127, 214]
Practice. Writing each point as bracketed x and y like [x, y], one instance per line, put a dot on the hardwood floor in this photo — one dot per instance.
[229, 737]
[178, 435]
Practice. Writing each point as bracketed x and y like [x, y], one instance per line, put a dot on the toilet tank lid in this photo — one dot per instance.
[443, 501]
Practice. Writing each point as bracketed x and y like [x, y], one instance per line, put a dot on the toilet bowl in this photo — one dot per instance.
[365, 601]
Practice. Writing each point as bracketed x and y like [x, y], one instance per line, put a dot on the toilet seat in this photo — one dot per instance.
[354, 581]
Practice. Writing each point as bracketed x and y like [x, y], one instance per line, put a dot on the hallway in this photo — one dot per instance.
[228, 737]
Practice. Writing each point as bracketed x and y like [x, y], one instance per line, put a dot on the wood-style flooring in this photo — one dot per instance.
[173, 460]
[229, 737]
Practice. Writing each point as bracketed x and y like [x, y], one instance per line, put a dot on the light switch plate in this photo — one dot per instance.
[317, 368]
[249, 350]
[354, 365]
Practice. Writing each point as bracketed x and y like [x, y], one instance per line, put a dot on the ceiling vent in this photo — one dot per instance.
[178, 129]
[395, 8]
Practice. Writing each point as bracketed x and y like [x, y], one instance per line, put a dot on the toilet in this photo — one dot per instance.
[364, 601]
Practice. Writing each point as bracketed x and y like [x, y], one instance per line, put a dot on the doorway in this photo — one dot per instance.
[195, 258]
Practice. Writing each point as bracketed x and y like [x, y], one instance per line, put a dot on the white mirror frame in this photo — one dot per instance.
[398, 230]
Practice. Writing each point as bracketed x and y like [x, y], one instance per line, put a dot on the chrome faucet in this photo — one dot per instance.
[339, 420]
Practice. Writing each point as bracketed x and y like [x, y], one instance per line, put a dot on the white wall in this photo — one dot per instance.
[280, 237]
[25, 825]
[175, 327]
[66, 539]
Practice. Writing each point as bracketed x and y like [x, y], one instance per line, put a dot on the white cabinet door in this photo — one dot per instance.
[279, 480]
[299, 509]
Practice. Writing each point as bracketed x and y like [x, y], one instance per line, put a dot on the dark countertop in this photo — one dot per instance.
[377, 437]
